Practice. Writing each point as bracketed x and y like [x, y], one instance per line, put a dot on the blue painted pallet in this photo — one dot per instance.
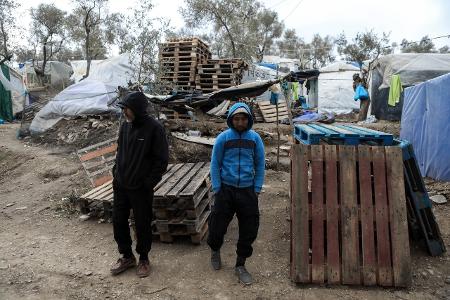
[312, 134]
[421, 219]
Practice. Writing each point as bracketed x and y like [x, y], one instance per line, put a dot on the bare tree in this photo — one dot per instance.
[48, 30]
[7, 28]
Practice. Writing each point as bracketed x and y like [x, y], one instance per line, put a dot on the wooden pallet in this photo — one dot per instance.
[269, 111]
[174, 115]
[98, 160]
[343, 133]
[348, 216]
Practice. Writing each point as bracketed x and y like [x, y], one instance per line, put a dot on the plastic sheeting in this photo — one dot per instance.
[336, 88]
[413, 69]
[86, 97]
[115, 70]
[426, 124]
[17, 88]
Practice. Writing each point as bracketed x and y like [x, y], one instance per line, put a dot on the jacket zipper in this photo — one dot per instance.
[239, 165]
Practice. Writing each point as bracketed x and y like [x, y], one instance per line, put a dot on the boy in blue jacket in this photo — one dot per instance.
[237, 175]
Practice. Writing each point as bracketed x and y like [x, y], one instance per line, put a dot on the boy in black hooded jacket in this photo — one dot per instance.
[142, 157]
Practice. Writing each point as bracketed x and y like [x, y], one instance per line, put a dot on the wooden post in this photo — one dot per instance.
[278, 140]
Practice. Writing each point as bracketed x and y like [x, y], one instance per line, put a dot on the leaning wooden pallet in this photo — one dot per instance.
[348, 216]
[269, 111]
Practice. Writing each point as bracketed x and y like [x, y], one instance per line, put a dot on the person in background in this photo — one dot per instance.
[364, 103]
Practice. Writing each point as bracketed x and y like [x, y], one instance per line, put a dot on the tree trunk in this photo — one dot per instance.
[40, 72]
[5, 39]
[88, 54]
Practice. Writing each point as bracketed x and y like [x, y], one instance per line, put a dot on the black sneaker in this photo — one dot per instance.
[243, 275]
[216, 262]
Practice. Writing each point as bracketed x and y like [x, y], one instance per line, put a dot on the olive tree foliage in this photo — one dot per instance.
[88, 30]
[242, 28]
[364, 46]
[48, 32]
[425, 45]
[316, 54]
[7, 28]
[264, 29]
[142, 41]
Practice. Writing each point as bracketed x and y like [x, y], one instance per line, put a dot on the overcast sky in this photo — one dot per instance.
[410, 19]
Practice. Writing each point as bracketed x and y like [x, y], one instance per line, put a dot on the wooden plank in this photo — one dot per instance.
[369, 267]
[184, 181]
[196, 182]
[105, 193]
[332, 216]
[91, 192]
[318, 247]
[381, 217]
[300, 271]
[170, 170]
[104, 187]
[102, 180]
[349, 216]
[96, 146]
[98, 152]
[401, 258]
[173, 180]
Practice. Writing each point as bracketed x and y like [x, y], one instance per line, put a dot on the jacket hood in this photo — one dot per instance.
[234, 108]
[137, 102]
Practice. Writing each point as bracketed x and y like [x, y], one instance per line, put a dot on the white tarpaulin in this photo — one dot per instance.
[87, 97]
[336, 88]
[115, 70]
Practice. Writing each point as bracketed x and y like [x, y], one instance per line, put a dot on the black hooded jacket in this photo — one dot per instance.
[142, 152]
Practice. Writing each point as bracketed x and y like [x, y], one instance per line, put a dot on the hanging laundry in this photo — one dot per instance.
[295, 90]
[275, 93]
[395, 90]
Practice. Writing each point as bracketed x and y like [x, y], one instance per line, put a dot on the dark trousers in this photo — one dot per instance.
[229, 201]
[364, 109]
[140, 201]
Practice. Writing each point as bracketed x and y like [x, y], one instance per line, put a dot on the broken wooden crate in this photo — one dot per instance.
[348, 216]
[181, 202]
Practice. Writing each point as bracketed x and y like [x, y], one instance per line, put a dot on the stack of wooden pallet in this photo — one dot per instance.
[218, 74]
[179, 59]
[181, 203]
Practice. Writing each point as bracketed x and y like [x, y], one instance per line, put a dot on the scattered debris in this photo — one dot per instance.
[438, 199]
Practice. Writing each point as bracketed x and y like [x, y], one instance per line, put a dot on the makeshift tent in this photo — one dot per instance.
[87, 97]
[336, 88]
[413, 68]
[426, 123]
[13, 94]
[56, 74]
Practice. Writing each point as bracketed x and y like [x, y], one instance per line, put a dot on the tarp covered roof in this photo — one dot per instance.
[413, 68]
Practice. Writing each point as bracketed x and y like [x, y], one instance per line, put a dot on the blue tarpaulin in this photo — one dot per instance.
[268, 65]
[426, 124]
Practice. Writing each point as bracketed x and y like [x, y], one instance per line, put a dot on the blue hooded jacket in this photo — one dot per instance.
[238, 158]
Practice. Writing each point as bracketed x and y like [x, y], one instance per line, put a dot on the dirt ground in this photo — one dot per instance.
[47, 252]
